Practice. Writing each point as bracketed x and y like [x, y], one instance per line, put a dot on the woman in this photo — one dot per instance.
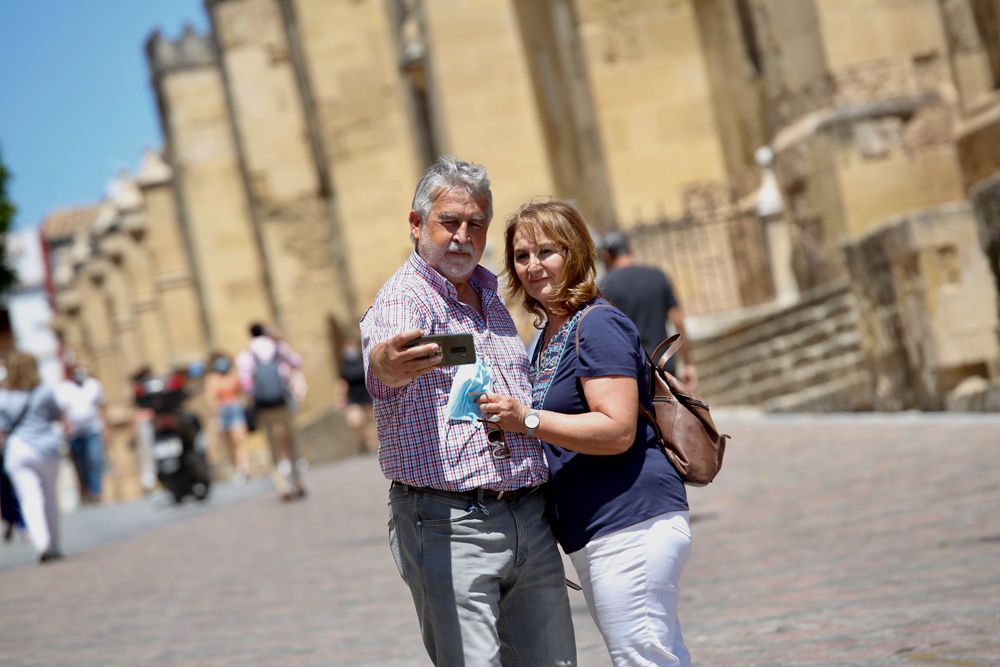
[224, 396]
[28, 415]
[619, 507]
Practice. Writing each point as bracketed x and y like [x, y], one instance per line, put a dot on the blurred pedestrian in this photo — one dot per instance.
[467, 528]
[647, 296]
[265, 369]
[143, 431]
[620, 509]
[357, 400]
[31, 444]
[224, 396]
[81, 398]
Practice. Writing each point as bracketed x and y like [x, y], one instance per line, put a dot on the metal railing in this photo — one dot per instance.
[716, 264]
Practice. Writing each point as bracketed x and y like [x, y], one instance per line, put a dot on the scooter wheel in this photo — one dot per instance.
[200, 491]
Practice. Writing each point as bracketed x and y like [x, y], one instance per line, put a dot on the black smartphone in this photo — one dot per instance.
[456, 349]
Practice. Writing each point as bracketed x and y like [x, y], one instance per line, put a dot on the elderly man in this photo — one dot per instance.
[467, 527]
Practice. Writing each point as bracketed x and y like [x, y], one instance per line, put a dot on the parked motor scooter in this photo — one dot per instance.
[178, 443]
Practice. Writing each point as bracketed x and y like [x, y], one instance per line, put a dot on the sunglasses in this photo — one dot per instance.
[498, 445]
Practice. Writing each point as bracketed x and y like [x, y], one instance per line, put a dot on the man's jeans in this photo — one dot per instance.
[88, 457]
[487, 579]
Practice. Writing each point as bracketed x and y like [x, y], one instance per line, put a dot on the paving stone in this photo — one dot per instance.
[826, 540]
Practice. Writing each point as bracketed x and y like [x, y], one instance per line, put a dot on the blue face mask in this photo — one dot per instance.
[470, 382]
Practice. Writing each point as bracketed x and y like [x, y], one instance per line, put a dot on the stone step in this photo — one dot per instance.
[828, 351]
[776, 326]
[790, 382]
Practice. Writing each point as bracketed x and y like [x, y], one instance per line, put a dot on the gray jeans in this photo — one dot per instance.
[487, 579]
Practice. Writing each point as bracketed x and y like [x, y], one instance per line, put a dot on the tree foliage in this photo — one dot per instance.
[7, 211]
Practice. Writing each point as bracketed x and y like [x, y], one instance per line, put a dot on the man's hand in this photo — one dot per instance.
[504, 411]
[395, 365]
[689, 376]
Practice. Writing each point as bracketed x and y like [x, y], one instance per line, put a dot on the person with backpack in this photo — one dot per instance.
[31, 447]
[265, 368]
[618, 506]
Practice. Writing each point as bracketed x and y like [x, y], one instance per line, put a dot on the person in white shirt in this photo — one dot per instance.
[82, 401]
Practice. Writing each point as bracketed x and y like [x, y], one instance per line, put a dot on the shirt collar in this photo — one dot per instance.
[481, 278]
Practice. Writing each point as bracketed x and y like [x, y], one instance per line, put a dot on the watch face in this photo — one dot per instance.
[531, 421]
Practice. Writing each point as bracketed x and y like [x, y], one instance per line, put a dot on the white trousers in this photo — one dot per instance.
[34, 476]
[630, 579]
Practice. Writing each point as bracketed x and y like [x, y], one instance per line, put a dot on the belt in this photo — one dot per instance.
[474, 494]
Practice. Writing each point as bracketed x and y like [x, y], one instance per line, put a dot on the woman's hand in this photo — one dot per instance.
[506, 412]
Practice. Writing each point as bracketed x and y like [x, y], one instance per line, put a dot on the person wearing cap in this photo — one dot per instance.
[647, 296]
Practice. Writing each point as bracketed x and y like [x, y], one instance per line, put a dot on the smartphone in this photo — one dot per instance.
[456, 349]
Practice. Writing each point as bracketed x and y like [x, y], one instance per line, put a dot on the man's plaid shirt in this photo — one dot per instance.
[418, 445]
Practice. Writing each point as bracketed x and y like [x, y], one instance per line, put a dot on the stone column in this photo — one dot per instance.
[105, 347]
[226, 256]
[770, 208]
[290, 216]
[172, 307]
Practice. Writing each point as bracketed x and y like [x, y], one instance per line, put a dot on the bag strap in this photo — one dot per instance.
[580, 321]
[24, 411]
[671, 345]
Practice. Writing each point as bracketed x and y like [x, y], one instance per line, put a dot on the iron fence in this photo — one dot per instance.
[716, 264]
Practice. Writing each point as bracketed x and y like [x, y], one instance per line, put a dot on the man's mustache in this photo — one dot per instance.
[460, 247]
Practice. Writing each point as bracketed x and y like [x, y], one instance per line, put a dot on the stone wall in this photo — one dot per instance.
[212, 206]
[290, 217]
[653, 97]
[365, 130]
[923, 286]
[863, 116]
[911, 324]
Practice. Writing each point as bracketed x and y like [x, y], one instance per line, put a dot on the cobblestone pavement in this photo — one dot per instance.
[825, 541]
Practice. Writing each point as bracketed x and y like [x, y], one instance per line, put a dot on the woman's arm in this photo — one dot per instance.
[609, 427]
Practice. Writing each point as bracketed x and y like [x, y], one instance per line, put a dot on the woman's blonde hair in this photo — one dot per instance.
[22, 372]
[564, 225]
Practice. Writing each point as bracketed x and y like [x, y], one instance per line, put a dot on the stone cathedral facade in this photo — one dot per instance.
[294, 132]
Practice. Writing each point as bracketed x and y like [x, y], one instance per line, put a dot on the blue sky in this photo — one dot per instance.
[75, 99]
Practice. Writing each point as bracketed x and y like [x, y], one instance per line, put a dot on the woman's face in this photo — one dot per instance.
[539, 264]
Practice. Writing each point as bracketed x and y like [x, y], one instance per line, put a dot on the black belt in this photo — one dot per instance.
[475, 494]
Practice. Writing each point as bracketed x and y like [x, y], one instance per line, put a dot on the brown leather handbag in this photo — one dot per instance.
[684, 428]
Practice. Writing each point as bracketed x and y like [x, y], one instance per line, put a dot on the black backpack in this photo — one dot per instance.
[270, 389]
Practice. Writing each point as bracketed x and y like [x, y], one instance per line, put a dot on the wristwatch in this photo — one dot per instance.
[531, 422]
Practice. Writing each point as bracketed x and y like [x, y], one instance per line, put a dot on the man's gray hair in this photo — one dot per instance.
[447, 173]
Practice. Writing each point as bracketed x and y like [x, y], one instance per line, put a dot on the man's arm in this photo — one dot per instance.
[689, 375]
